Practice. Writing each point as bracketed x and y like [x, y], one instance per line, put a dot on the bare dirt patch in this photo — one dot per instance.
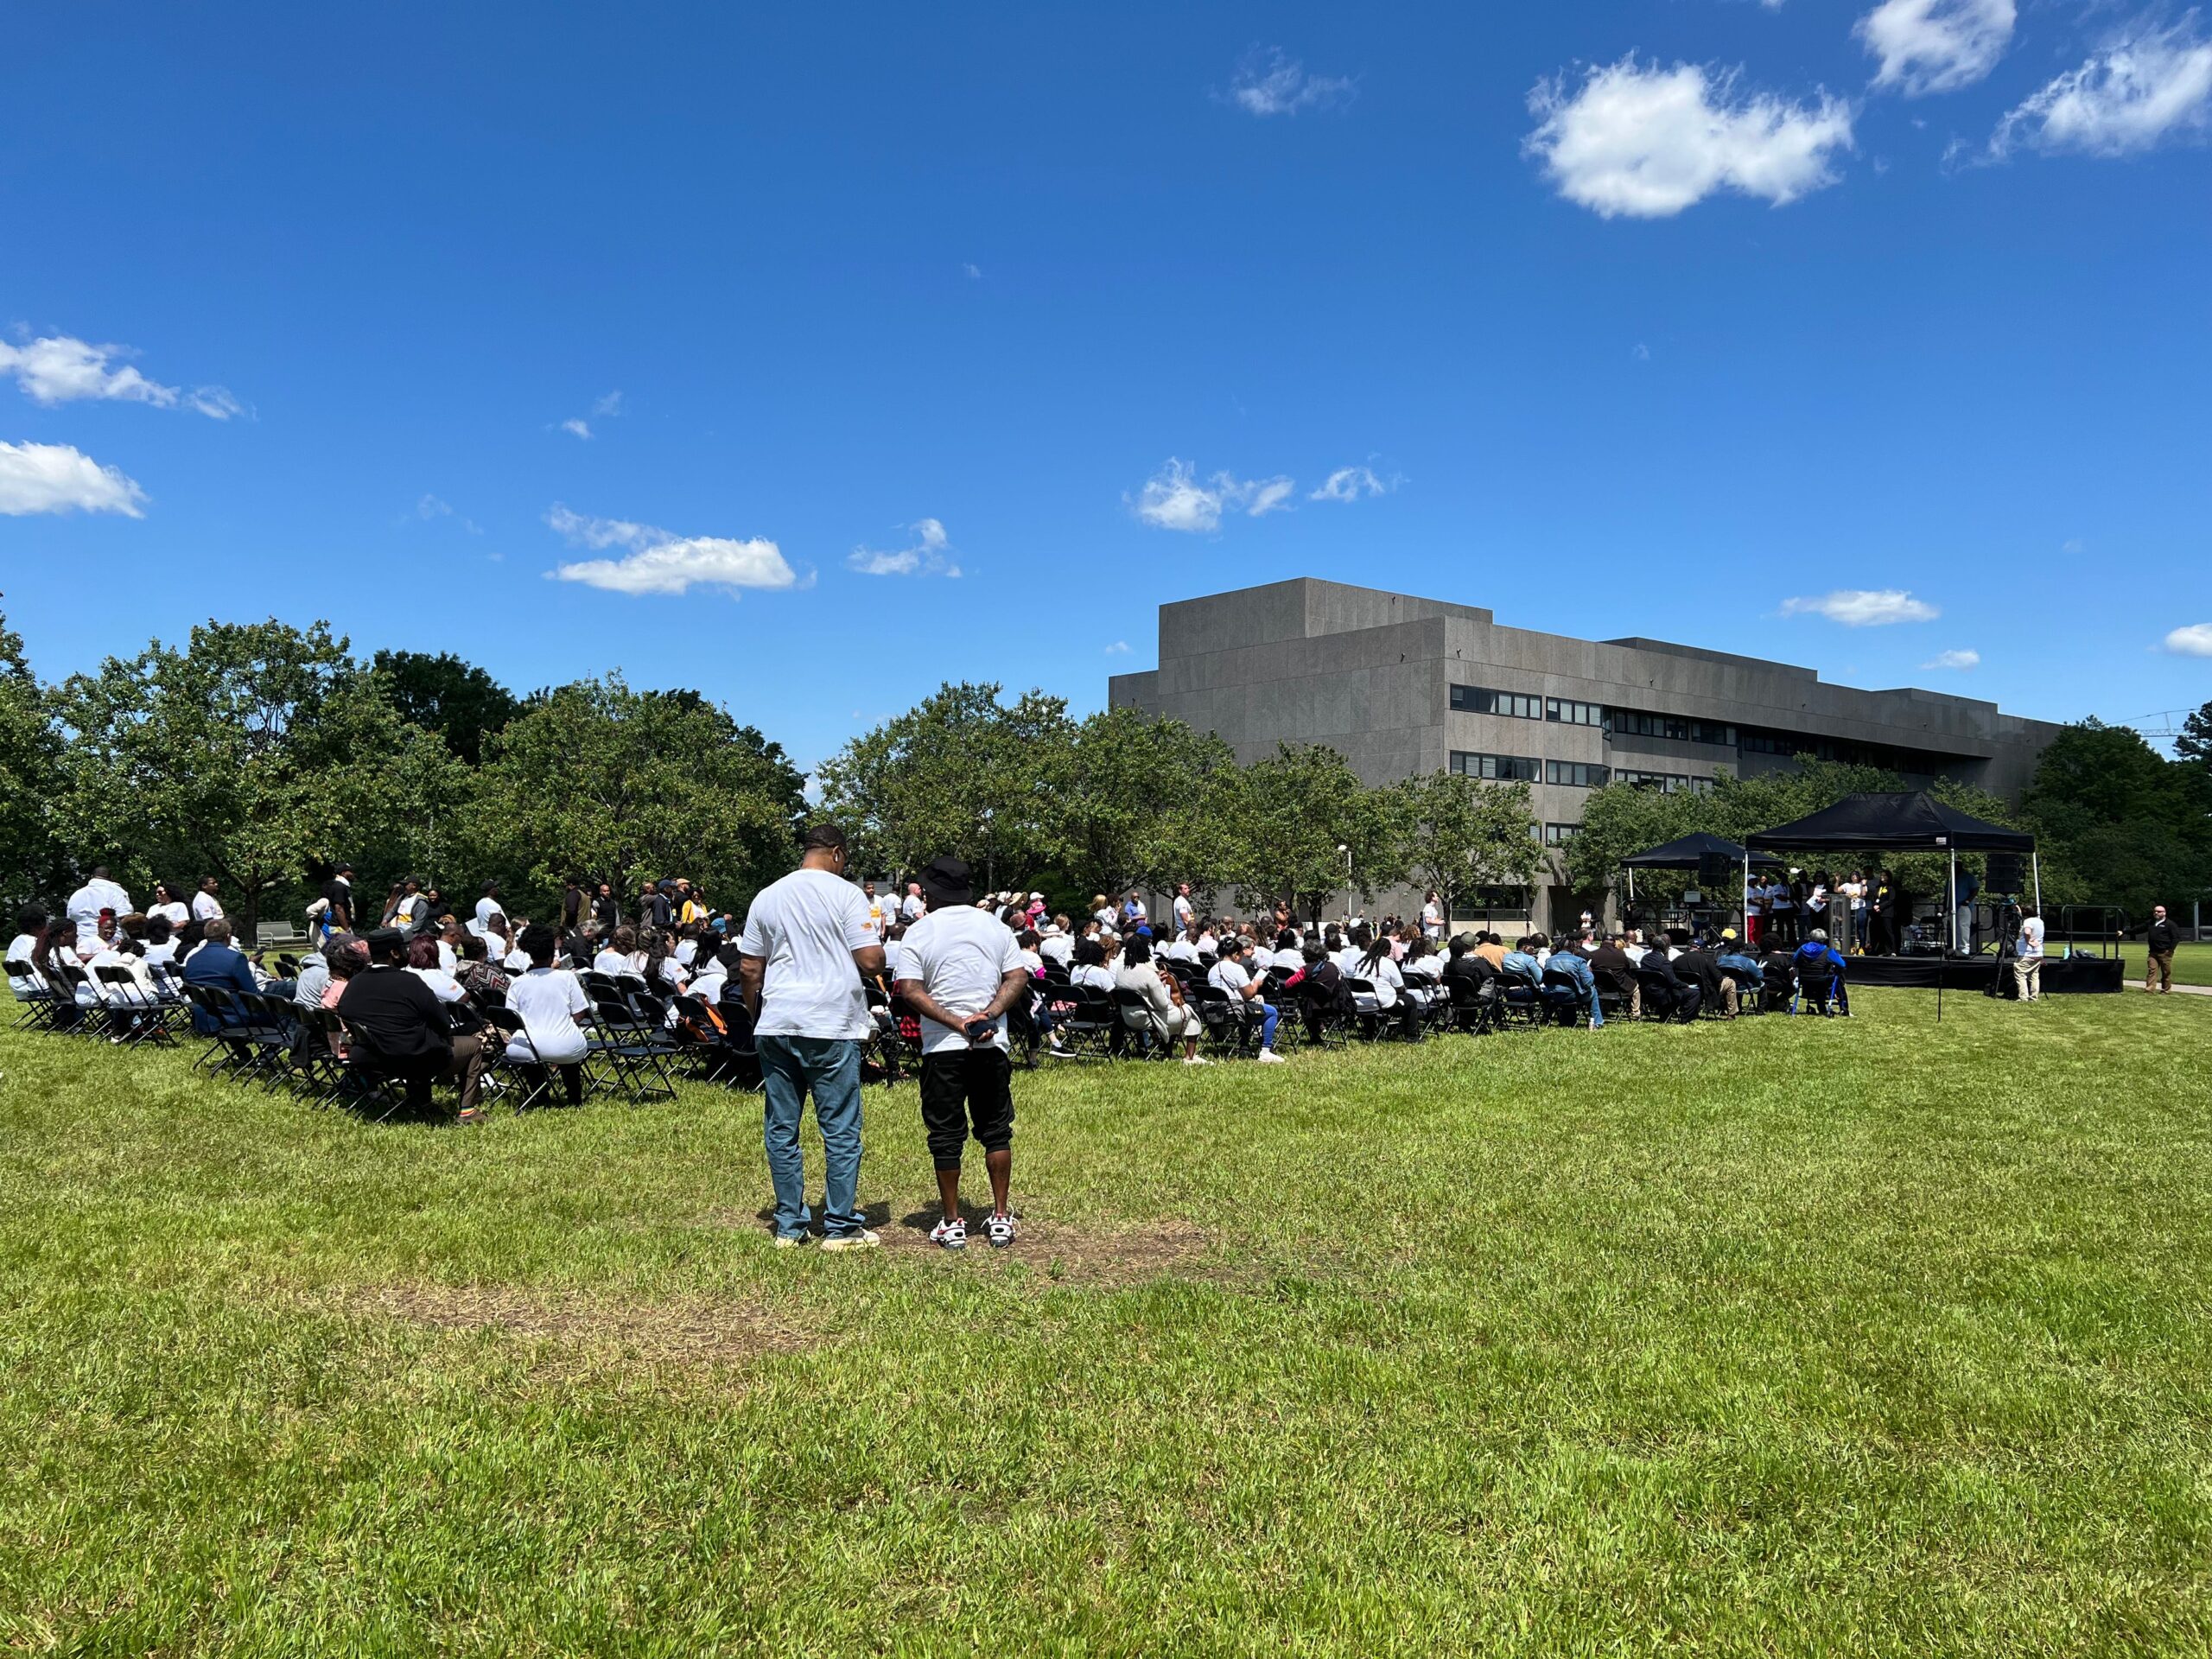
[1051, 1252]
[588, 1328]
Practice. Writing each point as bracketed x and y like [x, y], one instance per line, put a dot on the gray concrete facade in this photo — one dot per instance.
[1372, 674]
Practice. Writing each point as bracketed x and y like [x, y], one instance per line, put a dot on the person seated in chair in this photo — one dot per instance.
[1232, 972]
[397, 1025]
[1169, 1018]
[1571, 965]
[1715, 990]
[217, 965]
[1687, 996]
[1746, 977]
[1615, 972]
[547, 999]
[1462, 962]
[1813, 955]
[1522, 963]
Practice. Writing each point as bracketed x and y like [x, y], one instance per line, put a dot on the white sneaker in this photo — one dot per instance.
[1000, 1231]
[1268, 1057]
[789, 1241]
[863, 1240]
[1197, 1060]
[949, 1235]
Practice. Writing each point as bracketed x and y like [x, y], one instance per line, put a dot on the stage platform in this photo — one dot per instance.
[2061, 975]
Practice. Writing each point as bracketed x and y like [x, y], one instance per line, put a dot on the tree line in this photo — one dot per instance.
[263, 754]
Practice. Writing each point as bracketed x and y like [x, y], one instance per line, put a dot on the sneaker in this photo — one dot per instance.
[1268, 1057]
[789, 1241]
[949, 1235]
[1197, 1060]
[999, 1230]
[863, 1240]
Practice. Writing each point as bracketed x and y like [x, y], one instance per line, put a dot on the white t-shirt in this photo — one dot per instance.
[486, 908]
[960, 956]
[708, 988]
[516, 961]
[205, 907]
[2030, 938]
[1059, 947]
[1184, 913]
[612, 963]
[1180, 950]
[806, 928]
[443, 985]
[1093, 974]
[911, 907]
[1431, 920]
[19, 950]
[547, 1000]
[174, 912]
[95, 896]
[446, 961]
[880, 913]
[1229, 976]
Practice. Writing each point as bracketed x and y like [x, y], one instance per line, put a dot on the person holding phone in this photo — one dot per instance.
[960, 968]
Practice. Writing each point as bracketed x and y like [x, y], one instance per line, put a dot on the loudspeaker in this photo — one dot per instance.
[1713, 870]
[2007, 873]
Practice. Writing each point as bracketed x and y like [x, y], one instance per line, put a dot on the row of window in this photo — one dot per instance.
[1571, 774]
[1636, 722]
[1557, 835]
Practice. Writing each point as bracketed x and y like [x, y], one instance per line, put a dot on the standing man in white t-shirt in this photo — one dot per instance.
[806, 945]
[2027, 957]
[1431, 918]
[205, 907]
[881, 912]
[960, 970]
[1185, 913]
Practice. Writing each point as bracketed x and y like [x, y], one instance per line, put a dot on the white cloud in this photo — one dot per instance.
[1350, 483]
[577, 427]
[662, 563]
[61, 368]
[2195, 640]
[926, 557]
[1864, 607]
[610, 404]
[973, 273]
[55, 478]
[1119, 648]
[1649, 142]
[1642, 352]
[2123, 100]
[1959, 660]
[1936, 46]
[1270, 83]
[431, 506]
[1174, 498]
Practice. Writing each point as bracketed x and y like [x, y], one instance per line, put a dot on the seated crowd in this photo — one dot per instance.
[424, 994]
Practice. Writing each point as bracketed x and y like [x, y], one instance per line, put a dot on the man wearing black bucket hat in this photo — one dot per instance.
[961, 969]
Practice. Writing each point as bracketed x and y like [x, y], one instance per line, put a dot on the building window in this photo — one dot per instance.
[1509, 768]
[1577, 774]
[1668, 783]
[1557, 835]
[1476, 700]
[1634, 722]
[1567, 712]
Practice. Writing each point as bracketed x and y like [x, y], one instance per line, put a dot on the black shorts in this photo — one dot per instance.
[963, 1084]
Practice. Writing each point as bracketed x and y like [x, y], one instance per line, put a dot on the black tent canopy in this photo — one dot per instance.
[1687, 851]
[1902, 822]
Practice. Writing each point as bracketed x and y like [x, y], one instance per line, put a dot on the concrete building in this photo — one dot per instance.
[1401, 685]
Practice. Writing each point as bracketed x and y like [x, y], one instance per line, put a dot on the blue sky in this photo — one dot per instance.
[1618, 319]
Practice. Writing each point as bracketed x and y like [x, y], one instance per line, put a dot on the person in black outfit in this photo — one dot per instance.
[1686, 993]
[653, 912]
[1615, 973]
[2160, 938]
[339, 890]
[1701, 969]
[572, 905]
[606, 909]
[397, 1025]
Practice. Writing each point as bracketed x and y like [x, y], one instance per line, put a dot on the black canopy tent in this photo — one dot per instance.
[1912, 821]
[1687, 852]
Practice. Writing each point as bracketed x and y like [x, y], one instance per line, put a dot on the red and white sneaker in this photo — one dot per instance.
[949, 1235]
[999, 1230]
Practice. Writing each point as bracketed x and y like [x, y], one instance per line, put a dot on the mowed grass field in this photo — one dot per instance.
[1782, 1337]
[2192, 963]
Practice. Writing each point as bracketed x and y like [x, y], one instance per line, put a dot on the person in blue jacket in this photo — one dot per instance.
[217, 963]
[1816, 949]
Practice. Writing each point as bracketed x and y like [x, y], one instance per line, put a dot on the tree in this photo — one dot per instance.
[2119, 822]
[616, 786]
[1139, 803]
[256, 750]
[1460, 833]
[1302, 827]
[961, 773]
[30, 776]
[2195, 742]
[458, 700]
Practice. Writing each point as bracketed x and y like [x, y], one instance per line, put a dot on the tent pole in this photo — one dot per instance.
[1746, 896]
[2035, 865]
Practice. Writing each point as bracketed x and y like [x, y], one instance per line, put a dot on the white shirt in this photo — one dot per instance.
[1228, 977]
[1184, 913]
[516, 961]
[486, 908]
[1431, 920]
[612, 963]
[409, 907]
[1180, 950]
[806, 928]
[95, 896]
[443, 985]
[1059, 947]
[959, 956]
[911, 907]
[708, 988]
[2030, 938]
[880, 913]
[1094, 975]
[205, 907]
[1289, 958]
[174, 912]
[547, 1000]
[446, 961]
[20, 950]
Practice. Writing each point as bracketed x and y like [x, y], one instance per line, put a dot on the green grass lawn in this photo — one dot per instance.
[1797, 1337]
[2192, 963]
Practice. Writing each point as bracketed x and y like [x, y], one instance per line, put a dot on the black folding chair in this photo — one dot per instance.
[38, 1006]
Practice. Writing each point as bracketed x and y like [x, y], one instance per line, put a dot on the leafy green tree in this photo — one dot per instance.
[29, 776]
[1460, 833]
[597, 780]
[2119, 822]
[961, 773]
[2195, 742]
[443, 693]
[256, 751]
[1138, 804]
[1301, 827]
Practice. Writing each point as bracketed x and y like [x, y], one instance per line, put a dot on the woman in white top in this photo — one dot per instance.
[1090, 967]
[619, 955]
[167, 905]
[547, 1000]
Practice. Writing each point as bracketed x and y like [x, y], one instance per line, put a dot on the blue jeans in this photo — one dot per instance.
[829, 1068]
[1269, 1014]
